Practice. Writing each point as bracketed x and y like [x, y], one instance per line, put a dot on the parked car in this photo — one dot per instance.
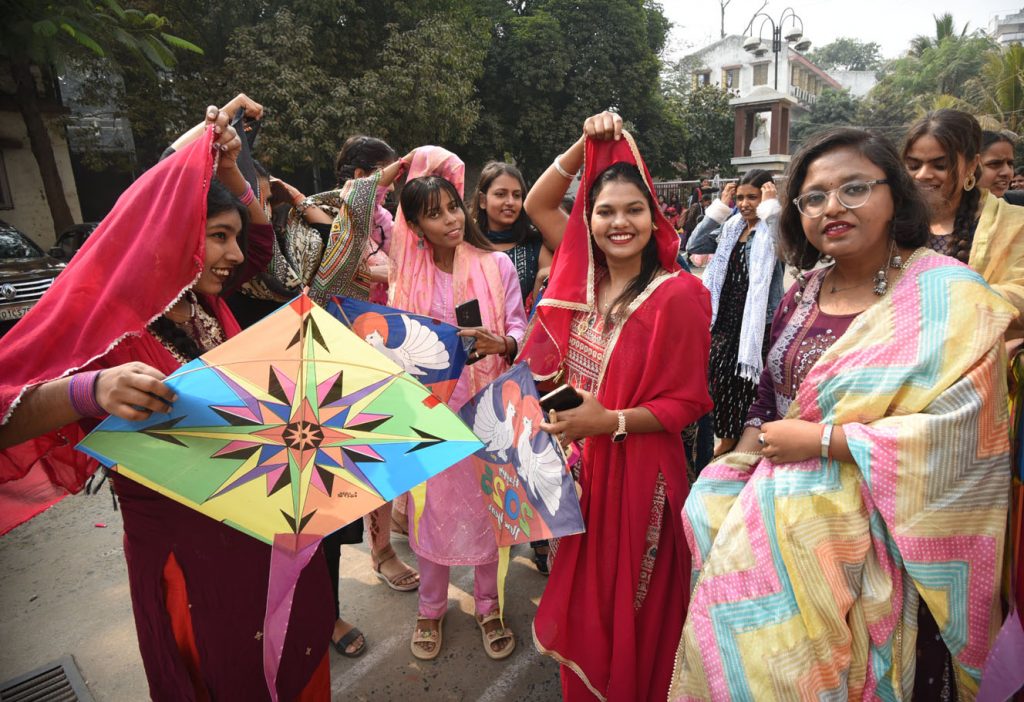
[26, 272]
[71, 239]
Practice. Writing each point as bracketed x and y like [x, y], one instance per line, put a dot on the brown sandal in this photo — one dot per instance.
[394, 582]
[495, 635]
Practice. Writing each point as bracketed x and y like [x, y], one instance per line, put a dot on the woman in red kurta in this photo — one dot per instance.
[630, 330]
[141, 298]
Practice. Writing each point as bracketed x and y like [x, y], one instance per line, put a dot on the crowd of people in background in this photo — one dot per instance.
[844, 538]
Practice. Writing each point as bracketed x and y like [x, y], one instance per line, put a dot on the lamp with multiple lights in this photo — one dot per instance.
[755, 44]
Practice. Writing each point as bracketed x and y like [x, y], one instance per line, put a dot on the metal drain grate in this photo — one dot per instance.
[59, 681]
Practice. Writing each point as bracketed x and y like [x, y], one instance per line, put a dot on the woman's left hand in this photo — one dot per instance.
[589, 419]
[487, 343]
[790, 440]
[226, 140]
[769, 191]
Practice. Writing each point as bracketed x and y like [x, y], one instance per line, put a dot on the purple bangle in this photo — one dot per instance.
[82, 393]
[248, 196]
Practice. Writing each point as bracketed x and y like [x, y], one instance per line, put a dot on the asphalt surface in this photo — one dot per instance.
[64, 590]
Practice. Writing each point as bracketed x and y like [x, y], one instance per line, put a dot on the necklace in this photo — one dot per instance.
[833, 290]
[181, 317]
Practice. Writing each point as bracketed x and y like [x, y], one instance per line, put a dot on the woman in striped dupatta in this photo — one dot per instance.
[882, 485]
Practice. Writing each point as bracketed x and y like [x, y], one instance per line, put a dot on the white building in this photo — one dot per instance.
[727, 64]
[1007, 30]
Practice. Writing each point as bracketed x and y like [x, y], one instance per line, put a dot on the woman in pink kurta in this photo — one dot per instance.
[439, 261]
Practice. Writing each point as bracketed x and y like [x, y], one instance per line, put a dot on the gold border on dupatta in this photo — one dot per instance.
[574, 667]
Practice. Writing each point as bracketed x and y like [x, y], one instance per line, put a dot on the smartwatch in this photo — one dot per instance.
[619, 435]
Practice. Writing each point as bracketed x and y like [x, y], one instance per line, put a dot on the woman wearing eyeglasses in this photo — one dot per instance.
[873, 473]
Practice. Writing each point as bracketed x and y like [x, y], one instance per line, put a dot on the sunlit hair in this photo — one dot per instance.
[522, 228]
[423, 195]
[650, 264]
[363, 152]
[909, 226]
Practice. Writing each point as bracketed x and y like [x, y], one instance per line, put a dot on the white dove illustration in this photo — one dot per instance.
[421, 349]
[496, 435]
[542, 471]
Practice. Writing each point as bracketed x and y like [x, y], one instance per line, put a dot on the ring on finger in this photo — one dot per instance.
[760, 438]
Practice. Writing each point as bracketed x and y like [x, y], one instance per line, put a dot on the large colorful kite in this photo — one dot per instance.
[287, 432]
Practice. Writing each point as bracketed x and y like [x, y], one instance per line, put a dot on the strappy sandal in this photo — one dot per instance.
[427, 636]
[500, 634]
[394, 582]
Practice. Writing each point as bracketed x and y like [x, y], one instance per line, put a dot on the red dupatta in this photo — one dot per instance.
[656, 357]
[143, 256]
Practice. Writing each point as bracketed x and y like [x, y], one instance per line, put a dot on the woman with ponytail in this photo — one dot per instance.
[942, 153]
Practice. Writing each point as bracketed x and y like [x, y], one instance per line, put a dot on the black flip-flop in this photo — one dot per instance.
[345, 641]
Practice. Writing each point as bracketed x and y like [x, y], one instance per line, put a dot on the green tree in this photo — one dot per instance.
[942, 66]
[707, 124]
[833, 108]
[1000, 88]
[845, 54]
[552, 63]
[945, 28]
[46, 34]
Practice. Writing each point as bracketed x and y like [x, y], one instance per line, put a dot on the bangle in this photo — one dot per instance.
[557, 163]
[248, 196]
[826, 441]
[299, 197]
[82, 394]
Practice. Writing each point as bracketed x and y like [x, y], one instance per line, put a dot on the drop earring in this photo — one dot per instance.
[419, 242]
[882, 276]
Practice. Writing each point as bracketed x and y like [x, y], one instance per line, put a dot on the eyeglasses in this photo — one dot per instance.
[851, 196]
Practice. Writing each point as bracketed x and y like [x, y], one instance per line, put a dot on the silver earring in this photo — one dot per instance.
[419, 242]
[882, 276]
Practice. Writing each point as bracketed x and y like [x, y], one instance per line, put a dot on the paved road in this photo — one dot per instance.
[64, 590]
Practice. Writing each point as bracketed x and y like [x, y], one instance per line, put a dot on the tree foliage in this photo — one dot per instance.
[938, 70]
[845, 54]
[833, 108]
[706, 125]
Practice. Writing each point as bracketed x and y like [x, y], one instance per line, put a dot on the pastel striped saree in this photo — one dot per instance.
[808, 575]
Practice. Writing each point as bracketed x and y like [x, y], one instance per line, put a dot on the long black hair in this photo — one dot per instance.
[959, 134]
[361, 151]
[909, 226]
[650, 264]
[421, 195]
[522, 228]
[219, 199]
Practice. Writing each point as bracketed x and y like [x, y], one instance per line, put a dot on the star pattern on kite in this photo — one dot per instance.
[297, 433]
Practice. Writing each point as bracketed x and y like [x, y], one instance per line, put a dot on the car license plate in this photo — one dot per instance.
[15, 312]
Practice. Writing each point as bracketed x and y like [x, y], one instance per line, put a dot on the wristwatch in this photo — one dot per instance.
[619, 435]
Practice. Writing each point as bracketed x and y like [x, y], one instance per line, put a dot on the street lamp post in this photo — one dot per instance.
[755, 43]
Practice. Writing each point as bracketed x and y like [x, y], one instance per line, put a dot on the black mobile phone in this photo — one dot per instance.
[468, 315]
[562, 398]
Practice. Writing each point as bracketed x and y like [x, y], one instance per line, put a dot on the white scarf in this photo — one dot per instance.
[761, 265]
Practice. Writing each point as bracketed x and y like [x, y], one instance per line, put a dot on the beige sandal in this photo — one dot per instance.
[499, 634]
[427, 636]
[395, 581]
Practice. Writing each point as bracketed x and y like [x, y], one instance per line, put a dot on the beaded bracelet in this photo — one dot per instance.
[82, 394]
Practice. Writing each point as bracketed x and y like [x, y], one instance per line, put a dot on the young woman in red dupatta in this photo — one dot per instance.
[629, 330]
[142, 297]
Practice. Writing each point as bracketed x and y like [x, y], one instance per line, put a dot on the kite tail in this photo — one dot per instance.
[291, 553]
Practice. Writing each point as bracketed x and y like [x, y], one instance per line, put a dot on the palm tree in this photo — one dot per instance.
[945, 28]
[1000, 88]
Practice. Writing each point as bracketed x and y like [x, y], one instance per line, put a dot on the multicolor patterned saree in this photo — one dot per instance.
[808, 576]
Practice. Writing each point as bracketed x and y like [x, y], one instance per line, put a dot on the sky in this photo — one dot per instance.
[890, 23]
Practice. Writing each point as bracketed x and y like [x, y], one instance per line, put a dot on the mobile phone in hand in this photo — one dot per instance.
[562, 398]
[468, 315]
